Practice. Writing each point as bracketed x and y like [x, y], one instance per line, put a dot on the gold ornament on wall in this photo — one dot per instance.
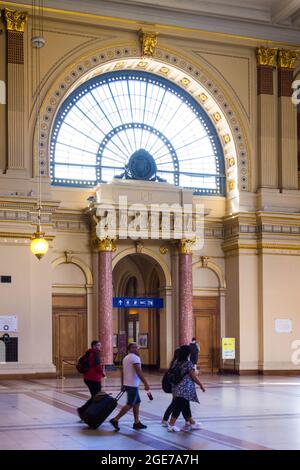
[230, 162]
[148, 43]
[226, 138]
[231, 185]
[204, 261]
[107, 244]
[203, 97]
[163, 250]
[287, 59]
[265, 56]
[15, 20]
[217, 117]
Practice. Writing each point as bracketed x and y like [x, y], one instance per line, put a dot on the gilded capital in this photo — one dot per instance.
[265, 56]
[287, 59]
[148, 43]
[15, 20]
[185, 246]
[107, 244]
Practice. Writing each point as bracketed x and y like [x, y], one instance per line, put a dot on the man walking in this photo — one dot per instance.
[93, 376]
[131, 376]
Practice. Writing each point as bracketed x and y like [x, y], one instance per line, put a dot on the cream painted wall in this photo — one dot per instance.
[204, 278]
[280, 300]
[68, 274]
[248, 306]
[28, 297]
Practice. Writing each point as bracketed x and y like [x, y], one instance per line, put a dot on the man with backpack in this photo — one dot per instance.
[93, 372]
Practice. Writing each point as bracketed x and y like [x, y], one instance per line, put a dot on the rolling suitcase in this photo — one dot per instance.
[99, 409]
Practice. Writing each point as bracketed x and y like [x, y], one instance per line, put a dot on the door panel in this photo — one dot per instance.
[69, 334]
[206, 330]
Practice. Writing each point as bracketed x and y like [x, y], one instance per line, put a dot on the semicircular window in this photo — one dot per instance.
[132, 124]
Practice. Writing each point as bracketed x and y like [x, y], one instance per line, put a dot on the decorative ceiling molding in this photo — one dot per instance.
[274, 20]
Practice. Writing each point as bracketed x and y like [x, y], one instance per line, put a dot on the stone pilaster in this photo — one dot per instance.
[15, 24]
[287, 122]
[267, 121]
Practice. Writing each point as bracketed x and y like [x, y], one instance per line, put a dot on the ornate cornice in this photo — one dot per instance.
[15, 20]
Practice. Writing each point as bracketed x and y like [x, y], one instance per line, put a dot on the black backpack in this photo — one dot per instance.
[83, 365]
[173, 376]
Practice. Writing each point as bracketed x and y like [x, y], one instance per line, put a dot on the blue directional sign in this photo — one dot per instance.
[138, 302]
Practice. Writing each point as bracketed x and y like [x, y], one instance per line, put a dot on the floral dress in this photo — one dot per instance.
[186, 388]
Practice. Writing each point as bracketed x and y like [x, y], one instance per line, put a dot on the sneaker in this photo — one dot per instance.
[115, 424]
[139, 425]
[164, 423]
[195, 426]
[186, 427]
[173, 428]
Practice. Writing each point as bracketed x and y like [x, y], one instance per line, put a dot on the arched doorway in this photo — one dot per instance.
[139, 276]
[71, 282]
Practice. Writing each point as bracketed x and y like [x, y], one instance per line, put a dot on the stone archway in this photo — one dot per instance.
[153, 323]
[194, 78]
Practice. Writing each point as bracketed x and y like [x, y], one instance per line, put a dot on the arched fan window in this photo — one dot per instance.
[118, 114]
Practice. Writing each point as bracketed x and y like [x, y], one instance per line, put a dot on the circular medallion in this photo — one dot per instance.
[141, 165]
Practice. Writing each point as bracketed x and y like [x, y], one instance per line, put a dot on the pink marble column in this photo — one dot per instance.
[105, 292]
[186, 320]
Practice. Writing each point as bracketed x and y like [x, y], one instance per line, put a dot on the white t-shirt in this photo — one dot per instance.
[130, 377]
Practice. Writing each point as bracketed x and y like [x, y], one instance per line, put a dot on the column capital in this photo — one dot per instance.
[265, 56]
[185, 246]
[107, 244]
[15, 20]
[148, 41]
[287, 59]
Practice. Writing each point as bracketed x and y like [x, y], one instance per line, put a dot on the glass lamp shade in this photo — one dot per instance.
[39, 245]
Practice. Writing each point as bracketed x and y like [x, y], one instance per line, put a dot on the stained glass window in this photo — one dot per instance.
[110, 117]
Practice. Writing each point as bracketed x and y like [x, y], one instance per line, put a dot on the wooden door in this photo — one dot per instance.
[69, 331]
[207, 332]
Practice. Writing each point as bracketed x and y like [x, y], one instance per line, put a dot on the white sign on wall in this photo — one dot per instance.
[8, 323]
[283, 326]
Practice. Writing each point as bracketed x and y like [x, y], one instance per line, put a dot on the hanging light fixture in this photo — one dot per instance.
[39, 245]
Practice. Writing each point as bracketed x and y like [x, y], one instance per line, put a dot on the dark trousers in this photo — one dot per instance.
[94, 388]
[181, 405]
[175, 403]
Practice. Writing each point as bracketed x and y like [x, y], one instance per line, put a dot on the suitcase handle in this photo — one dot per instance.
[120, 394]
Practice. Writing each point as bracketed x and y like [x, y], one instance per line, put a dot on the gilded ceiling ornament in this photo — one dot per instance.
[265, 56]
[15, 20]
[287, 59]
[148, 43]
[107, 244]
[186, 246]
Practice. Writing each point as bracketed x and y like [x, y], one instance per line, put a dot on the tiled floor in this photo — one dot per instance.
[236, 413]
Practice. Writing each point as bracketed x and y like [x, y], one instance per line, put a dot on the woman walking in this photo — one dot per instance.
[184, 392]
